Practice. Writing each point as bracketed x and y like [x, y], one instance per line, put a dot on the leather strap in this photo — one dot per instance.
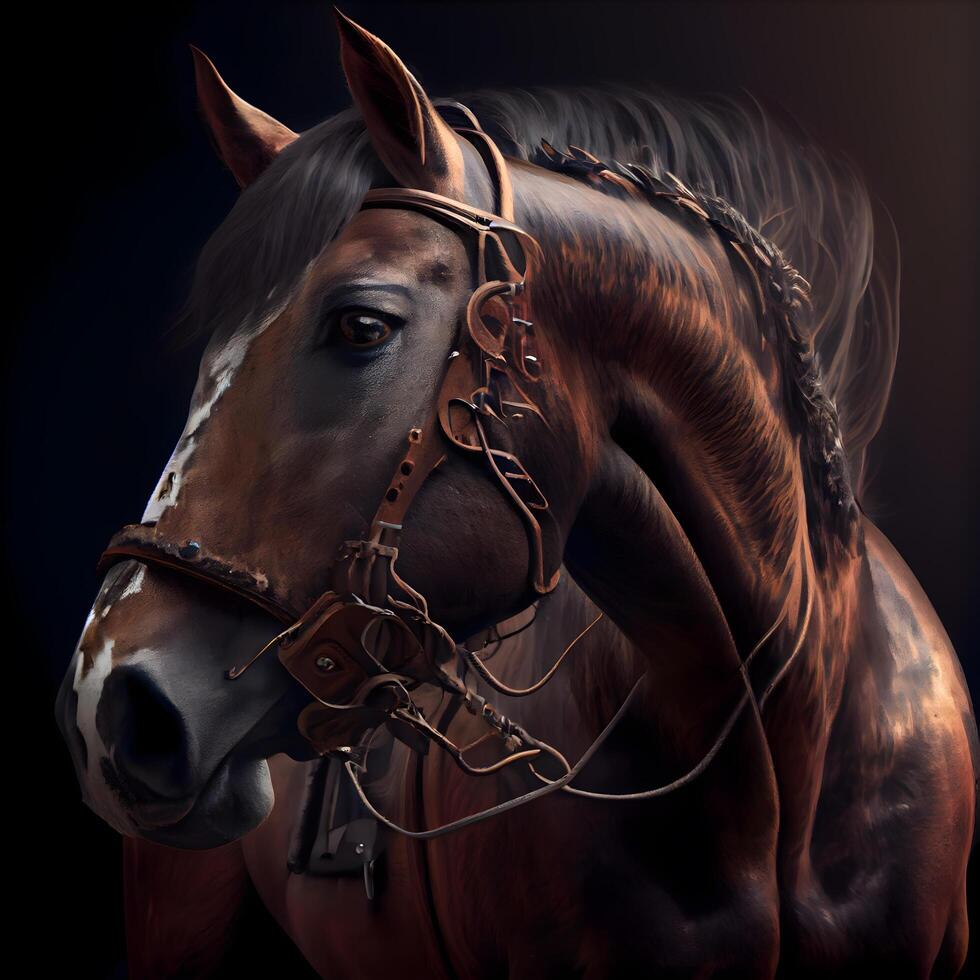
[191, 558]
[366, 587]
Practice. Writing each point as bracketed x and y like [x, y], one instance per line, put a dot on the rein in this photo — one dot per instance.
[367, 643]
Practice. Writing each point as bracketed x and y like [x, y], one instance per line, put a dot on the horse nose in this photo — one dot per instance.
[145, 734]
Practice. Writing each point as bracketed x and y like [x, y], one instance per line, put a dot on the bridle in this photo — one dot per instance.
[367, 643]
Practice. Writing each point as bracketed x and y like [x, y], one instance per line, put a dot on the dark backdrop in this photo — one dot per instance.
[114, 190]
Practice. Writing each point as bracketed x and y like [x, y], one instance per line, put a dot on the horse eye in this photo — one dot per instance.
[363, 330]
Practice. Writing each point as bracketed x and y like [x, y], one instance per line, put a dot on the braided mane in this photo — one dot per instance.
[780, 292]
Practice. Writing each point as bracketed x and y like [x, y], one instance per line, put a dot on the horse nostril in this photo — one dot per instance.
[145, 734]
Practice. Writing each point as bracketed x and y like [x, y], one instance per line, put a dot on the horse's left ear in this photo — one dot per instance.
[414, 143]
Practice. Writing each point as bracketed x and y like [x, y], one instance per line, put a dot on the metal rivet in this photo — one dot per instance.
[358, 848]
[190, 550]
[325, 663]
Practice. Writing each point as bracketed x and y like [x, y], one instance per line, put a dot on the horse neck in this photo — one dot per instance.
[695, 533]
[598, 665]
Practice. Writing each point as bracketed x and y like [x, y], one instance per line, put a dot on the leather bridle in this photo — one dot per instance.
[368, 642]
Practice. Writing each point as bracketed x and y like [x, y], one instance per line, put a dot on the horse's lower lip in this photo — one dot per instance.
[233, 802]
[164, 813]
[170, 821]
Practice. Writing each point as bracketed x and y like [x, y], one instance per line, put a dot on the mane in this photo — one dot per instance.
[781, 294]
[766, 184]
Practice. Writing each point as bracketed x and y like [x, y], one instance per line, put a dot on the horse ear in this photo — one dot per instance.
[246, 138]
[414, 143]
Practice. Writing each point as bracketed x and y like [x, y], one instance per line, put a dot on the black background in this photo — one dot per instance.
[114, 188]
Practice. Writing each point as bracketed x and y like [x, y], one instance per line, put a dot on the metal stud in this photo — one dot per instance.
[190, 550]
[325, 664]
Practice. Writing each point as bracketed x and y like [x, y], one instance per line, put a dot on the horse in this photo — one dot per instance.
[619, 676]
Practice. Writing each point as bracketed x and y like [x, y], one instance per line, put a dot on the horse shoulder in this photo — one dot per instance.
[927, 678]
[895, 821]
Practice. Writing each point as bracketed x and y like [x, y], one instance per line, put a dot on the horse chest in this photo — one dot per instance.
[552, 886]
[451, 904]
[330, 919]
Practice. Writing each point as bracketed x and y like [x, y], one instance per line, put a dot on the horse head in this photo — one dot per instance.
[533, 356]
[296, 424]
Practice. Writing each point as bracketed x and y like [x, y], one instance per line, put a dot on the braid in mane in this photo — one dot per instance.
[780, 292]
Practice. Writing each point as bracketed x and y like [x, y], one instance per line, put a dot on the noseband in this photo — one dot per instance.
[367, 643]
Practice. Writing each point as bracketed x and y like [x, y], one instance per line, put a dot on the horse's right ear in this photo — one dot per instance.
[415, 145]
[247, 139]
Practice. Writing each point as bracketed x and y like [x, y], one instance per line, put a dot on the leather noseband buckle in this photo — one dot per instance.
[339, 644]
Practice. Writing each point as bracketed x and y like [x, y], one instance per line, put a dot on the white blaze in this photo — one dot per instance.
[88, 689]
[221, 372]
